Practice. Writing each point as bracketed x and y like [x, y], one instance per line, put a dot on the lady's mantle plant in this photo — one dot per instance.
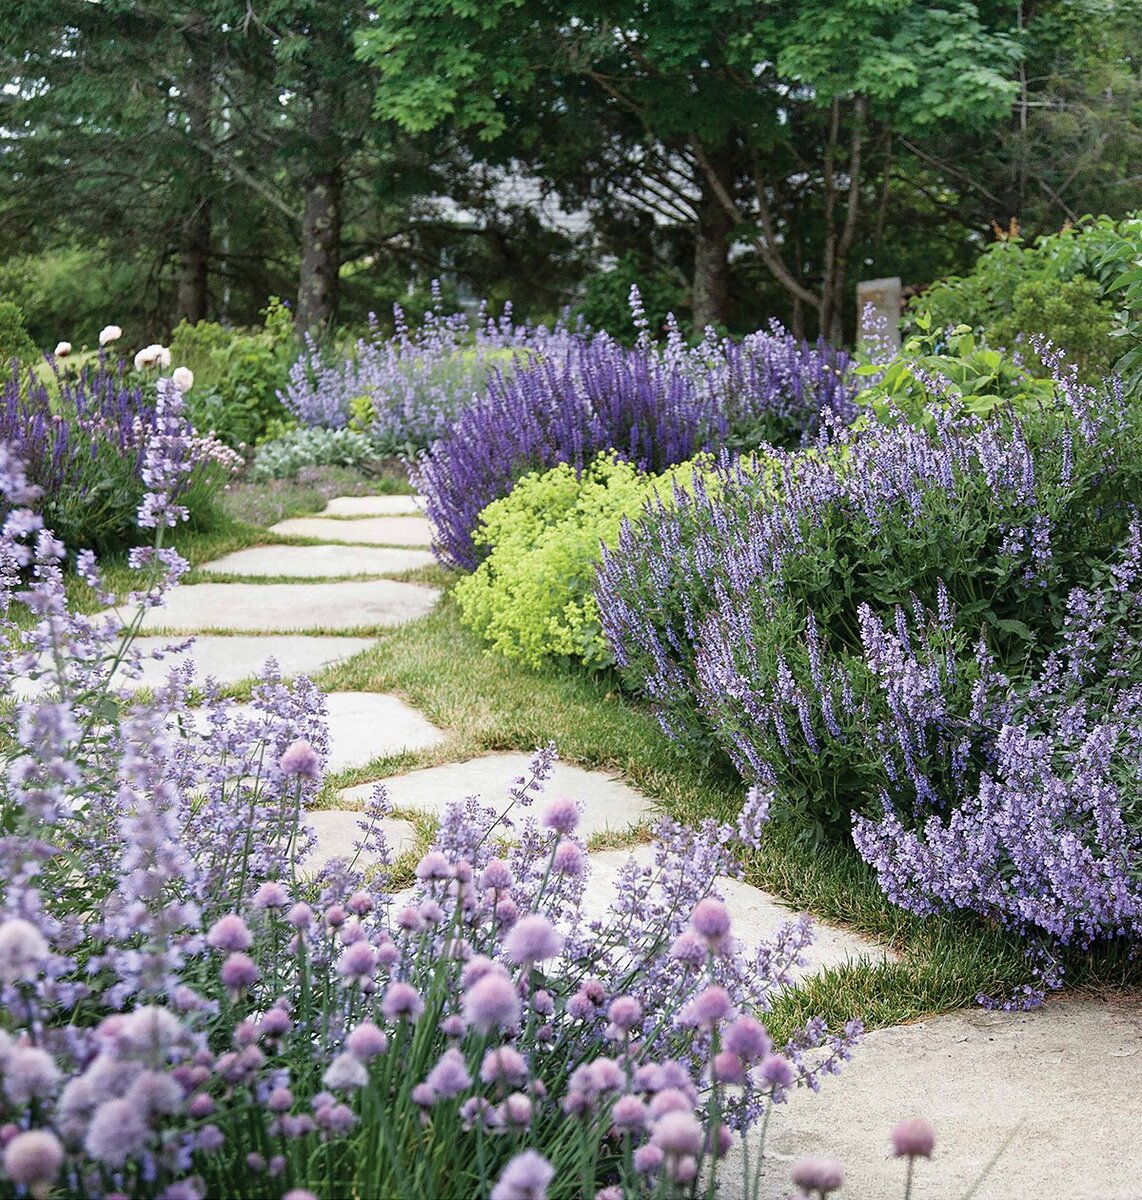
[186, 1015]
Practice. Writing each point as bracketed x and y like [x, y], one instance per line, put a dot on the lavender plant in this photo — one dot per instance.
[653, 406]
[83, 441]
[185, 1013]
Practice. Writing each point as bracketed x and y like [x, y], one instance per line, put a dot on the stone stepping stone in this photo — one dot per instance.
[338, 830]
[755, 915]
[367, 725]
[608, 803]
[368, 531]
[282, 607]
[374, 506]
[311, 562]
[1063, 1079]
[231, 659]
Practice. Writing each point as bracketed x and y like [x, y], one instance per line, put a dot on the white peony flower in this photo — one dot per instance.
[153, 355]
[164, 357]
[63, 349]
[183, 379]
[109, 333]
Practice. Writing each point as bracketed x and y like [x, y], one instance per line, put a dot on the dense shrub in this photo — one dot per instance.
[187, 1016]
[1066, 287]
[653, 406]
[282, 457]
[14, 339]
[404, 390]
[533, 597]
[84, 438]
[237, 373]
[733, 610]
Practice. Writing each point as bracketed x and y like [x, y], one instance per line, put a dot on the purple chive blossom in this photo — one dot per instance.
[300, 759]
[562, 815]
[747, 1038]
[727, 1067]
[449, 1077]
[271, 895]
[711, 921]
[239, 971]
[777, 1071]
[366, 1041]
[30, 1073]
[229, 933]
[23, 951]
[504, 1064]
[648, 1159]
[629, 1114]
[402, 1002]
[625, 1013]
[33, 1159]
[913, 1138]
[568, 859]
[709, 1008]
[496, 875]
[345, 1073]
[526, 1177]
[532, 939]
[677, 1134]
[117, 1132]
[491, 1002]
[818, 1173]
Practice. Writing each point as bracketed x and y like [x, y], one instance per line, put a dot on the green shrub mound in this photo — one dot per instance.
[533, 597]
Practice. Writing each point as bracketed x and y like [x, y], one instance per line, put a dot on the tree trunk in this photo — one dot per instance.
[710, 293]
[194, 236]
[321, 223]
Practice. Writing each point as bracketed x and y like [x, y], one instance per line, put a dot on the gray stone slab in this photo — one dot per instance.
[368, 531]
[608, 803]
[312, 562]
[755, 915]
[282, 607]
[231, 659]
[1063, 1080]
[338, 830]
[367, 725]
[373, 506]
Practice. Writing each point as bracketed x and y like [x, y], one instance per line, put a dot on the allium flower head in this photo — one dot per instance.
[300, 758]
[33, 1159]
[496, 875]
[503, 1064]
[402, 1000]
[568, 859]
[689, 948]
[491, 1002]
[516, 1110]
[30, 1074]
[23, 951]
[358, 963]
[239, 971]
[109, 334]
[677, 1134]
[434, 865]
[818, 1173]
[777, 1071]
[117, 1132]
[711, 921]
[648, 1159]
[366, 1041]
[562, 815]
[526, 1177]
[747, 1038]
[914, 1138]
[625, 1012]
[229, 933]
[345, 1073]
[449, 1077]
[532, 939]
[710, 1007]
[271, 894]
[629, 1113]
[299, 1194]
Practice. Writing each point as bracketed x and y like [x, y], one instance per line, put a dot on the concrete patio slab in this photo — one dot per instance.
[368, 531]
[373, 506]
[312, 562]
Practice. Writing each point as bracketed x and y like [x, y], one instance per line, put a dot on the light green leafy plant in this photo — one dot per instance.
[533, 597]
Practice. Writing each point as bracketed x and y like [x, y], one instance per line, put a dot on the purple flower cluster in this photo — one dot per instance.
[187, 1013]
[653, 406]
[405, 390]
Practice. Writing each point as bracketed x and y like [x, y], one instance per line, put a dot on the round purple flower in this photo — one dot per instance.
[689, 948]
[504, 1064]
[33, 1159]
[434, 866]
[401, 1001]
[497, 876]
[300, 758]
[200, 1105]
[748, 1038]
[818, 1173]
[914, 1138]
[367, 1041]
[345, 1074]
[668, 1100]
[562, 815]
[300, 916]
[629, 1113]
[229, 933]
[648, 1159]
[777, 1071]
[23, 951]
[568, 859]
[625, 1013]
[490, 1002]
[711, 920]
[728, 1068]
[358, 963]
[30, 1074]
[271, 895]
[532, 939]
[450, 1075]
[280, 1100]
[239, 971]
[156, 1092]
[524, 1178]
[709, 1008]
[117, 1132]
[276, 1022]
[516, 1110]
[677, 1134]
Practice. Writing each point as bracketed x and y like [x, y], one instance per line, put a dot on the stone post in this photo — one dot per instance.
[879, 308]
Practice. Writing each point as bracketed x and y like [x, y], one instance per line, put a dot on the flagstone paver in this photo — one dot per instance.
[367, 725]
[369, 531]
[373, 506]
[282, 607]
[1062, 1081]
[338, 830]
[608, 802]
[755, 915]
[312, 562]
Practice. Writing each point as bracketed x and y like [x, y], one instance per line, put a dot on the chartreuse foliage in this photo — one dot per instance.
[533, 598]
